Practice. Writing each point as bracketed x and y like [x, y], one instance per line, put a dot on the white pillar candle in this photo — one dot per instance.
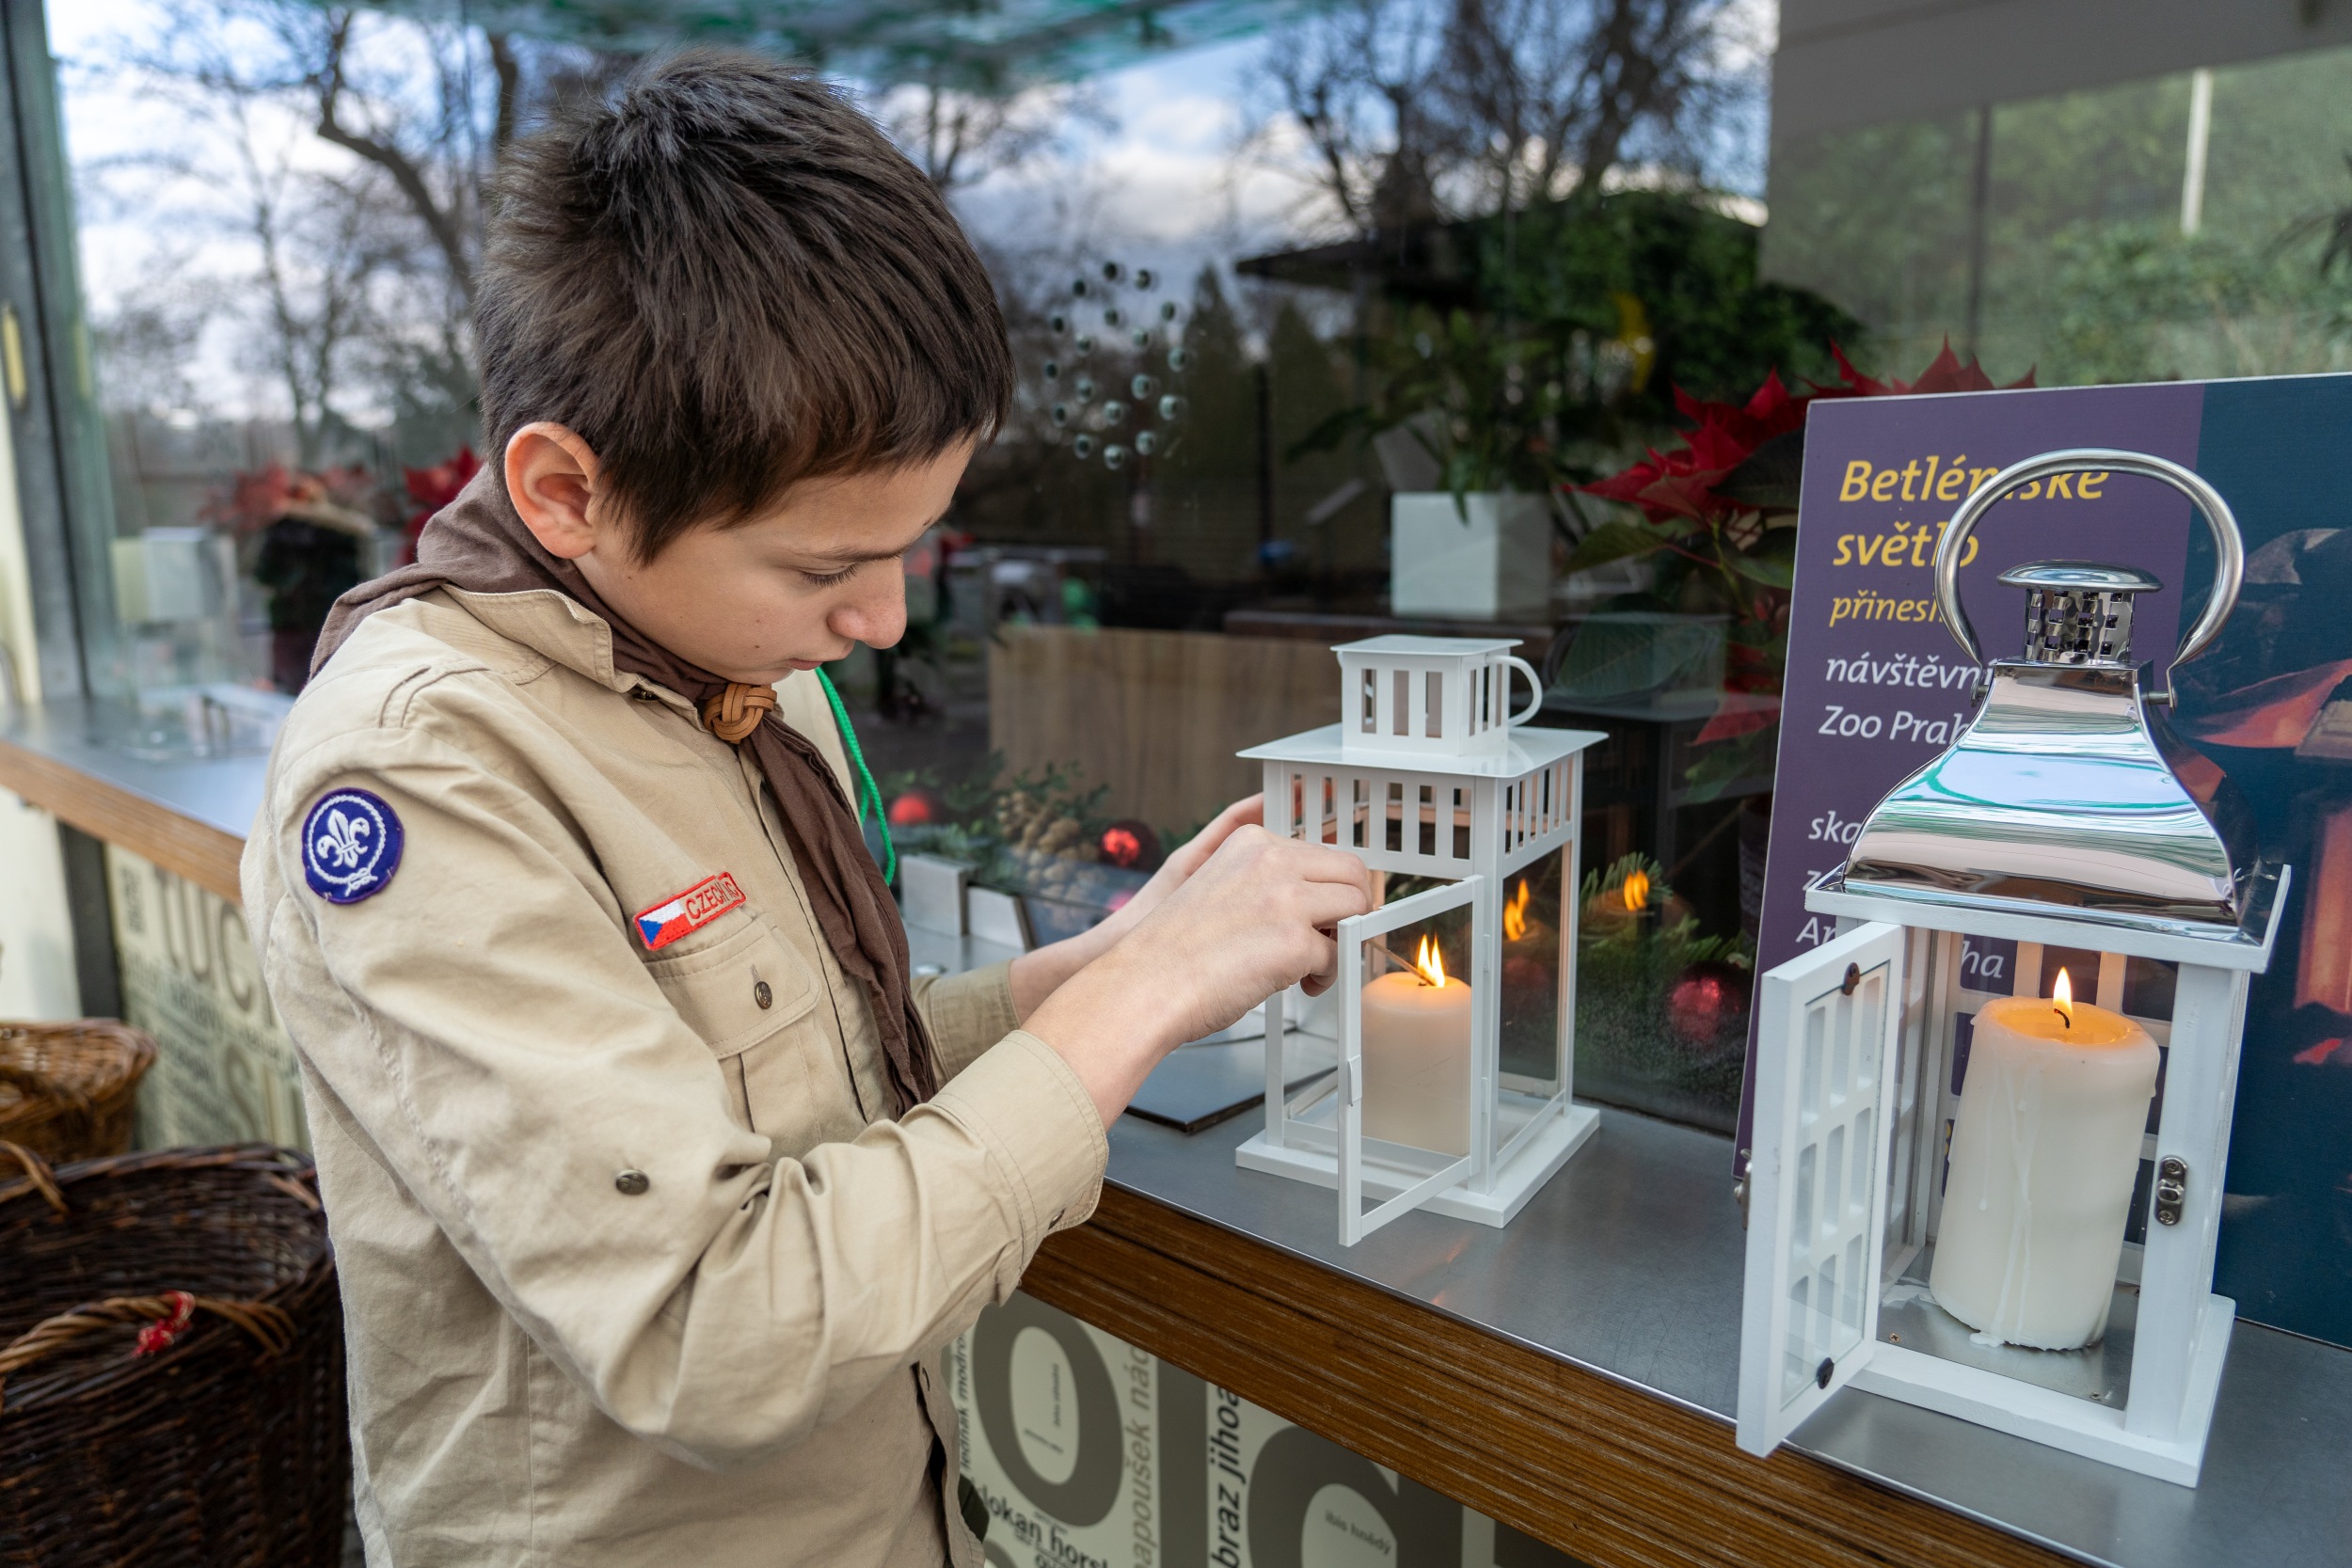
[2043, 1157]
[1416, 1045]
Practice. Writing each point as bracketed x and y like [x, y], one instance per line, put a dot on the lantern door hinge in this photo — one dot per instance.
[2171, 1189]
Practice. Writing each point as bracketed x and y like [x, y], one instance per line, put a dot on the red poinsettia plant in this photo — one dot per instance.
[1717, 518]
[434, 488]
[253, 498]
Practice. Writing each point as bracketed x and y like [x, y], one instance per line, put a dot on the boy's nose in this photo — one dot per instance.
[876, 616]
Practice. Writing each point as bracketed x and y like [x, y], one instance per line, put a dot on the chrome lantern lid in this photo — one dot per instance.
[2059, 792]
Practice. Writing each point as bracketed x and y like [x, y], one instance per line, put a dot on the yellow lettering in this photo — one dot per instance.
[1919, 543]
[1903, 610]
[1969, 551]
[2088, 486]
[1882, 487]
[1977, 476]
[1911, 472]
[1845, 549]
[1857, 480]
[1947, 488]
[2058, 487]
[1871, 542]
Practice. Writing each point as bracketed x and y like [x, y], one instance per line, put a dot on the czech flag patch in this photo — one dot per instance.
[690, 911]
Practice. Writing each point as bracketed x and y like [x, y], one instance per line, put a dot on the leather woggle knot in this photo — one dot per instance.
[737, 711]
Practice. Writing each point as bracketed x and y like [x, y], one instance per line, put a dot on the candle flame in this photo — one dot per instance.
[1431, 963]
[2062, 997]
[1515, 914]
[1636, 890]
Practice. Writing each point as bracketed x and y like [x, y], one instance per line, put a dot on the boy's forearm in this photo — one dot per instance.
[1111, 1026]
[1038, 974]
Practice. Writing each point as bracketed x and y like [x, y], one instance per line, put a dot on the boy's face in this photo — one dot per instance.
[795, 587]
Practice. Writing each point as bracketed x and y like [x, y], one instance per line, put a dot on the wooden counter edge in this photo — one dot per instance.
[197, 850]
[1605, 1472]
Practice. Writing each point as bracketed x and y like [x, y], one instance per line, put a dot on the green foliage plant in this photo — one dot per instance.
[1549, 342]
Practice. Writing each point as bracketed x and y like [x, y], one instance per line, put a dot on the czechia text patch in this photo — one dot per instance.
[690, 911]
[351, 845]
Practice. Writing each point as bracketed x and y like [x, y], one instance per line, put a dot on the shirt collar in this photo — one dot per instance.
[554, 626]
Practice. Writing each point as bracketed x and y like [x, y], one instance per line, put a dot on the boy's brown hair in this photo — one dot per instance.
[725, 279]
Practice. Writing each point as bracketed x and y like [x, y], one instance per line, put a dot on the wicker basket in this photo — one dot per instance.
[68, 1091]
[122, 1444]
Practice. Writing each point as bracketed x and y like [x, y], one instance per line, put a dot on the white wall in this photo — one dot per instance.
[37, 976]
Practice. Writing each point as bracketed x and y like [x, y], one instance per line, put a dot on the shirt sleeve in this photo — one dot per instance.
[485, 1021]
[967, 1013]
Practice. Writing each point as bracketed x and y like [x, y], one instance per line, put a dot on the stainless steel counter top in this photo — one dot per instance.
[1628, 1263]
[222, 792]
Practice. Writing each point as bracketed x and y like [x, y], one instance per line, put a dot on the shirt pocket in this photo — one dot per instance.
[753, 1000]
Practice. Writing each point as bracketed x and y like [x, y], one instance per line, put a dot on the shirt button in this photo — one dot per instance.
[632, 1184]
[761, 994]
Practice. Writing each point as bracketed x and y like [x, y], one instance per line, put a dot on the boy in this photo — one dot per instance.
[656, 1182]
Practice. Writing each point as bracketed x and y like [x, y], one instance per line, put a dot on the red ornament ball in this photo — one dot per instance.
[1130, 844]
[918, 808]
[1706, 997]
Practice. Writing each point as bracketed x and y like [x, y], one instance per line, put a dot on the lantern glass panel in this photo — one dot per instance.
[1661, 996]
[1983, 968]
[1531, 977]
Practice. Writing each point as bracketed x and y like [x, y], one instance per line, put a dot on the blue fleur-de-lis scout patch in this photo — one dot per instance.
[350, 845]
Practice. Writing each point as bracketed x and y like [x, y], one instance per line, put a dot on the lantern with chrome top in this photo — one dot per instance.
[1436, 1071]
[1992, 1112]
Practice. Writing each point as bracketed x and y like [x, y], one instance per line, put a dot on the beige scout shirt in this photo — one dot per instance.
[733, 1366]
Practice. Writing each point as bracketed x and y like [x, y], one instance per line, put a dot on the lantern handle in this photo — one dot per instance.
[2228, 547]
[1535, 684]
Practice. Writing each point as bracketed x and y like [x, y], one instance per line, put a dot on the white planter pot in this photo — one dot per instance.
[1489, 558]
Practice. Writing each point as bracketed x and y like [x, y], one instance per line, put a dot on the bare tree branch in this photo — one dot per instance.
[448, 227]
[509, 67]
[1358, 83]
[1415, 109]
[959, 138]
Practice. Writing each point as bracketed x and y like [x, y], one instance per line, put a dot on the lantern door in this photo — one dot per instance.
[1410, 1111]
[1817, 1183]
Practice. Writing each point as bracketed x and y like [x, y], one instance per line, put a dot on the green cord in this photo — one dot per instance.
[866, 788]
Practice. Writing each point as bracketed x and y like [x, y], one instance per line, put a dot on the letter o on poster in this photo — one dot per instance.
[1295, 1464]
[1086, 1498]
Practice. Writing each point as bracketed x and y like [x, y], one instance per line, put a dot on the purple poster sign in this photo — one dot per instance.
[1876, 685]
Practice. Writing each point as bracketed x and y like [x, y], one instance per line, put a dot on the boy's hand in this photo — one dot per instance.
[1178, 868]
[1037, 974]
[1253, 917]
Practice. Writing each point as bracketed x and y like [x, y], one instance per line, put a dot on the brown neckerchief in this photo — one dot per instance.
[478, 543]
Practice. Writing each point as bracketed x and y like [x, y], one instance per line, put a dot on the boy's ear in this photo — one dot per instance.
[551, 479]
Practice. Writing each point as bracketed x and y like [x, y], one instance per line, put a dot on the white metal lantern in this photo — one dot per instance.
[1426, 777]
[2055, 824]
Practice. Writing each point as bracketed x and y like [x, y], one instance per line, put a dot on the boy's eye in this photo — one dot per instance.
[830, 580]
